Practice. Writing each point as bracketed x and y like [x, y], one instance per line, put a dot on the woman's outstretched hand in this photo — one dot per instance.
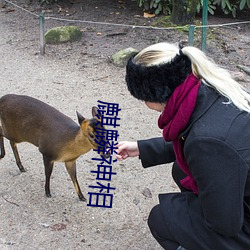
[127, 149]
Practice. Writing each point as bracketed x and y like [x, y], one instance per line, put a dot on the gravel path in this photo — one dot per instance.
[74, 77]
[70, 79]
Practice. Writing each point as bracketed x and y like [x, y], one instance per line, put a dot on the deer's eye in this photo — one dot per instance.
[92, 136]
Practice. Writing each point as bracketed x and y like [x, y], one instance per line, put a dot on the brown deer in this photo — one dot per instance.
[59, 138]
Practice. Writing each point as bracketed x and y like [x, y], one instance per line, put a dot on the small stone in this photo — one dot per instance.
[63, 34]
[121, 58]
[136, 201]
[239, 76]
[44, 225]
[2, 3]
[244, 68]
[147, 193]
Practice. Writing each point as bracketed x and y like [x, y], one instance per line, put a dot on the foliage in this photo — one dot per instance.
[226, 6]
[232, 6]
[244, 4]
[165, 6]
[158, 6]
[211, 7]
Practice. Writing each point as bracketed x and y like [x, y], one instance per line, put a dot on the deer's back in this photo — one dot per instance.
[24, 118]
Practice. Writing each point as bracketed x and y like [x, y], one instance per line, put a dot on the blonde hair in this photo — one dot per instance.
[202, 67]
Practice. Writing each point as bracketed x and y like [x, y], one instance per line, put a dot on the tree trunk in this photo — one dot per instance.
[183, 11]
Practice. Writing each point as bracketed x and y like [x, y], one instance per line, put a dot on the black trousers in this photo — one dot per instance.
[156, 223]
[179, 221]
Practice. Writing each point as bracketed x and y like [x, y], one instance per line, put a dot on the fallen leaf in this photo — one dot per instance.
[147, 15]
[58, 227]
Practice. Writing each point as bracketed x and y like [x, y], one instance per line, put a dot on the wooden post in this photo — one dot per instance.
[191, 35]
[204, 23]
[42, 31]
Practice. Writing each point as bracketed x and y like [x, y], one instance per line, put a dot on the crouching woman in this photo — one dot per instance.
[205, 122]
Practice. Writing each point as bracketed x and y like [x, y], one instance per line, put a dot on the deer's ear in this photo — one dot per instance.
[94, 111]
[80, 118]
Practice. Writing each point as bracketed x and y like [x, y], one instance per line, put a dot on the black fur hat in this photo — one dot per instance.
[156, 83]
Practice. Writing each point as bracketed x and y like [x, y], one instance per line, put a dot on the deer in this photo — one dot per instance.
[58, 138]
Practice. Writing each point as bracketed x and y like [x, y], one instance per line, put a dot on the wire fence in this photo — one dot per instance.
[191, 28]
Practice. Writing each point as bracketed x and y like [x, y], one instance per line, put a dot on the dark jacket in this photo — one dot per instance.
[216, 145]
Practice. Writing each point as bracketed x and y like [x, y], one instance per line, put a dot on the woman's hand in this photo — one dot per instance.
[127, 149]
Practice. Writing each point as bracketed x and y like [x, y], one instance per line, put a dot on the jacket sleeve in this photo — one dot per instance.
[220, 173]
[155, 151]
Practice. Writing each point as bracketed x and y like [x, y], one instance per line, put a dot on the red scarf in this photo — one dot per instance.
[174, 119]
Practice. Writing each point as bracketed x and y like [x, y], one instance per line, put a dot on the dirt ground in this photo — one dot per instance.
[74, 76]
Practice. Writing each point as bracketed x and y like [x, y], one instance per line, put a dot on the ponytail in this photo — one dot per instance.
[218, 78]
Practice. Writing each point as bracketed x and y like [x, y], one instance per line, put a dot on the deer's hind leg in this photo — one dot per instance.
[71, 168]
[16, 154]
[1, 144]
[48, 164]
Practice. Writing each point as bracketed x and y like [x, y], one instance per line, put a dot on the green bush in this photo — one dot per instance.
[211, 7]
[232, 6]
[165, 6]
[156, 6]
